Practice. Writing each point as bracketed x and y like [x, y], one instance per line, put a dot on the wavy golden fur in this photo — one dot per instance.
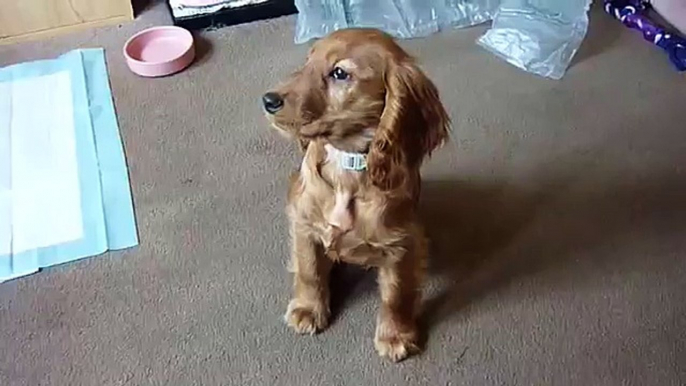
[359, 92]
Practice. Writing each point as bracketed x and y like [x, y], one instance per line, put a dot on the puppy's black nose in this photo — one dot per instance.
[272, 102]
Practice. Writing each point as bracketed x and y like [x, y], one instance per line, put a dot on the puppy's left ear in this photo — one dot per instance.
[413, 124]
[423, 95]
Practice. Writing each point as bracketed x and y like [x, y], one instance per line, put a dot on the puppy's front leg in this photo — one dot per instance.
[308, 312]
[399, 283]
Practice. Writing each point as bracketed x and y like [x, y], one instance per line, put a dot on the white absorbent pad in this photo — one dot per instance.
[64, 189]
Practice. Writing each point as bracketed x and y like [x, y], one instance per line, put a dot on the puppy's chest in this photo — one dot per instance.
[347, 220]
[342, 211]
[349, 230]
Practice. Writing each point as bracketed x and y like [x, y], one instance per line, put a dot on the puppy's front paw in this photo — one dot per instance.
[394, 344]
[306, 319]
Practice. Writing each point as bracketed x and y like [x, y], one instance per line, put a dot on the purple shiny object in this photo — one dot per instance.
[629, 12]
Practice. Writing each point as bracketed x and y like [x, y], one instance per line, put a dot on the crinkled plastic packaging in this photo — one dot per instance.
[539, 36]
[401, 18]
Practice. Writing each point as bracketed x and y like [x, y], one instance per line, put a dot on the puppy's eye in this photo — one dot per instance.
[339, 74]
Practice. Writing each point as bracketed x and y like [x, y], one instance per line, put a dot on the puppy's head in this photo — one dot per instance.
[359, 91]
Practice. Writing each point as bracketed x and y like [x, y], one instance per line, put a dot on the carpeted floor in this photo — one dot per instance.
[558, 215]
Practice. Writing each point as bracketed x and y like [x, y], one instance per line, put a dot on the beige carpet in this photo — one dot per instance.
[558, 215]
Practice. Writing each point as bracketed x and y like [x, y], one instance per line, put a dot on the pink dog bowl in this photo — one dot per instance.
[159, 51]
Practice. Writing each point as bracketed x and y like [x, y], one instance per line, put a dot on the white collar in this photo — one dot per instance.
[346, 161]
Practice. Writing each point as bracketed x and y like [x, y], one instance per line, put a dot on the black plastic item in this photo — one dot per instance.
[233, 16]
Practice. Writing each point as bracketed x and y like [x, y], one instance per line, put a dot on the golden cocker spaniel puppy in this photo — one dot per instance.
[366, 117]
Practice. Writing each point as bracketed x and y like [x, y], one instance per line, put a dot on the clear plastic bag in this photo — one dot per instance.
[401, 18]
[425, 17]
[380, 14]
[318, 18]
[539, 36]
